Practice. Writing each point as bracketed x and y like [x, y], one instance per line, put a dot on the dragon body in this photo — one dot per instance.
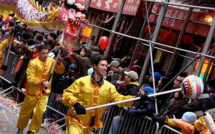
[69, 17]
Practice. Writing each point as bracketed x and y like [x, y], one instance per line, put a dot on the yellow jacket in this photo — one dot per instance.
[90, 94]
[39, 71]
[4, 44]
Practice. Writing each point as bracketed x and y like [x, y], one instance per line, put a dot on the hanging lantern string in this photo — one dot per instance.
[147, 18]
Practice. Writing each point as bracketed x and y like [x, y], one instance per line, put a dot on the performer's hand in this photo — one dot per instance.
[4, 67]
[79, 108]
[46, 83]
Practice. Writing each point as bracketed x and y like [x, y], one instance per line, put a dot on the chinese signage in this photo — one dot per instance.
[86, 32]
[202, 30]
[130, 7]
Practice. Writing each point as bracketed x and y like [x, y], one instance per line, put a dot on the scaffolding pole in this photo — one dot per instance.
[206, 47]
[178, 44]
[141, 34]
[156, 43]
[154, 38]
[111, 37]
[209, 63]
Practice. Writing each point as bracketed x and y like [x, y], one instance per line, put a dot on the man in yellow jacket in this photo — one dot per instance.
[89, 91]
[4, 44]
[36, 98]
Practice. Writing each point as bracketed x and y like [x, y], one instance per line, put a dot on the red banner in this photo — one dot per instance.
[130, 7]
[193, 28]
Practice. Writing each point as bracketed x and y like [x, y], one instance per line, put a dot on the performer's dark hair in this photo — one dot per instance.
[98, 58]
[41, 47]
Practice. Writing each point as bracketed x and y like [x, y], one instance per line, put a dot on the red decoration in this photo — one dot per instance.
[203, 44]
[147, 29]
[169, 37]
[8, 19]
[188, 39]
[103, 42]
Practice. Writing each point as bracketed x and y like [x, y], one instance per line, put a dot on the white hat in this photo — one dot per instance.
[132, 74]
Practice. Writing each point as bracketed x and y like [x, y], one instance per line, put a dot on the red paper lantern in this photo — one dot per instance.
[8, 19]
[203, 44]
[103, 42]
[147, 29]
[187, 39]
[169, 37]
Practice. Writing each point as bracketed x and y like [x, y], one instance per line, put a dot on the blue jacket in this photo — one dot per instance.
[145, 108]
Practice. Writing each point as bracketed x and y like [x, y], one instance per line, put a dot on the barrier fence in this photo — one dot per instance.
[168, 130]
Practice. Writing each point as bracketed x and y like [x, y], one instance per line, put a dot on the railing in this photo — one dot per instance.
[168, 130]
[118, 121]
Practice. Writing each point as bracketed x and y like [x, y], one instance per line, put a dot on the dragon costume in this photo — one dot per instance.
[70, 16]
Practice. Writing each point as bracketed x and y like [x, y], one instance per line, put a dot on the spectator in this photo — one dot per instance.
[83, 60]
[132, 86]
[184, 124]
[126, 61]
[38, 39]
[174, 108]
[157, 77]
[91, 40]
[176, 84]
[114, 70]
[161, 84]
[139, 108]
[121, 79]
[146, 107]
[52, 36]
[211, 86]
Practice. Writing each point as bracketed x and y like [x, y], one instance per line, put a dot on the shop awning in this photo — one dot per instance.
[198, 15]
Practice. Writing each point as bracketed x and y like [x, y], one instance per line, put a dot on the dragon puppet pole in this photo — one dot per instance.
[54, 66]
[8, 51]
[133, 99]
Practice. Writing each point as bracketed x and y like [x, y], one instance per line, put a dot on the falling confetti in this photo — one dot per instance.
[8, 104]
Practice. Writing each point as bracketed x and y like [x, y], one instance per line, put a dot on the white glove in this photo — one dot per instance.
[125, 108]
[174, 119]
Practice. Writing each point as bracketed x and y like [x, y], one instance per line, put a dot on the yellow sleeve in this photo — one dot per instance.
[31, 78]
[171, 123]
[59, 69]
[115, 96]
[5, 43]
[69, 94]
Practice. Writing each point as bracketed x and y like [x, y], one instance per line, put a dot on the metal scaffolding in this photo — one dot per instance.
[157, 44]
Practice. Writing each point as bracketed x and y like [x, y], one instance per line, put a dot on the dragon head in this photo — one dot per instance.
[74, 16]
